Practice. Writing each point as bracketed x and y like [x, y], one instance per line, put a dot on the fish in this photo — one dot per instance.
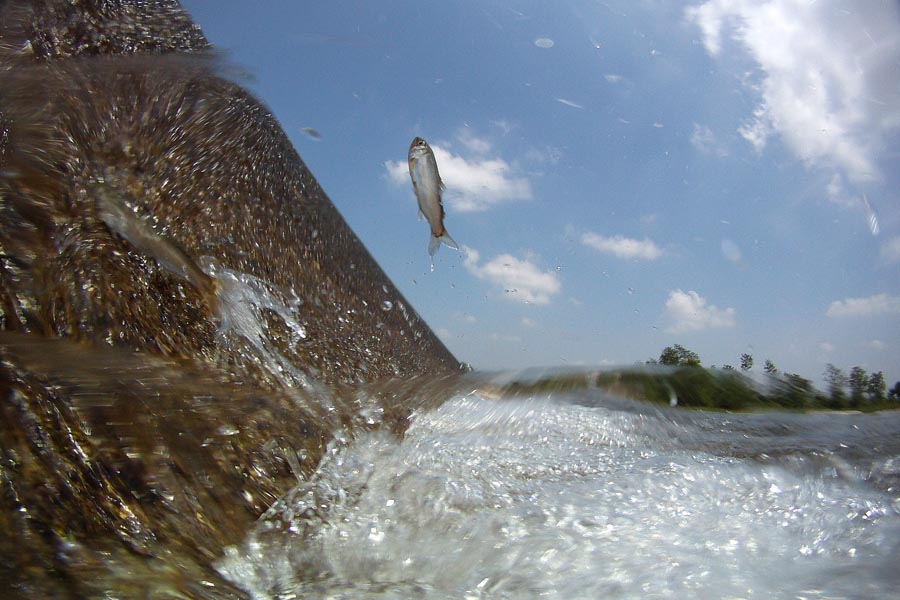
[428, 186]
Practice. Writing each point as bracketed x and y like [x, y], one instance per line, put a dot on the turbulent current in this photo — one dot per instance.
[580, 495]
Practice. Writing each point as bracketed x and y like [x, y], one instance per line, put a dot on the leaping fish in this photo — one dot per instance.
[428, 187]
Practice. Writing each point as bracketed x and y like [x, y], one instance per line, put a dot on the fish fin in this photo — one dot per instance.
[436, 242]
[421, 214]
[433, 245]
[448, 241]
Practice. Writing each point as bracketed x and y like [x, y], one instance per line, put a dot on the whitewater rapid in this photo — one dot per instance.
[580, 495]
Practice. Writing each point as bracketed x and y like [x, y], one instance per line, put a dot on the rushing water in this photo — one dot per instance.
[580, 495]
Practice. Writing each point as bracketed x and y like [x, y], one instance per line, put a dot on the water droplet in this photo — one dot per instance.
[227, 430]
[312, 133]
[543, 42]
[631, 291]
[387, 305]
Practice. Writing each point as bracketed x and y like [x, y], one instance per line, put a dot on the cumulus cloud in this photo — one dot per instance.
[873, 306]
[521, 280]
[473, 143]
[704, 140]
[622, 247]
[689, 311]
[827, 78]
[474, 184]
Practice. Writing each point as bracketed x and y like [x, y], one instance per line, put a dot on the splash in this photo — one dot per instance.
[241, 303]
[582, 498]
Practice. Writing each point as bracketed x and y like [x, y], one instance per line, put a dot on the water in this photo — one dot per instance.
[580, 495]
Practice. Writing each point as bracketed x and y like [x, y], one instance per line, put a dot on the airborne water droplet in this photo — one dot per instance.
[387, 305]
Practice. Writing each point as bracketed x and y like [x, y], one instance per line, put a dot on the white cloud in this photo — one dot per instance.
[873, 306]
[704, 140]
[689, 311]
[520, 280]
[472, 142]
[526, 322]
[622, 247]
[890, 250]
[837, 192]
[827, 77]
[472, 185]
[826, 347]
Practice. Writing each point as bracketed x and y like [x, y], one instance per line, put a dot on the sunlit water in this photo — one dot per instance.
[582, 496]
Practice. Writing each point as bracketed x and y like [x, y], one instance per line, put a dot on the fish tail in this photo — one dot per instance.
[436, 241]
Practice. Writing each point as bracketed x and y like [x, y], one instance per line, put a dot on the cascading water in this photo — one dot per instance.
[584, 496]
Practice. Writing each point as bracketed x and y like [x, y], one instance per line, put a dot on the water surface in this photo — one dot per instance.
[580, 495]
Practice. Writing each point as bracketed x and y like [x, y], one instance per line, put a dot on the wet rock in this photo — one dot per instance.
[140, 433]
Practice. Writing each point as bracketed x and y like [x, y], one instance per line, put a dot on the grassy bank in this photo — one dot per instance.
[701, 388]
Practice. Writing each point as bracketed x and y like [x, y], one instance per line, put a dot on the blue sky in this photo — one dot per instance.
[621, 176]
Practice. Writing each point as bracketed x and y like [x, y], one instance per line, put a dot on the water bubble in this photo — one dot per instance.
[387, 305]
[871, 217]
[731, 251]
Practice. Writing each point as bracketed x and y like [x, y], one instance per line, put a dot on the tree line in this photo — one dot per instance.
[725, 388]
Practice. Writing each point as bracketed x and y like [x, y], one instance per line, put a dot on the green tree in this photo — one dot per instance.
[769, 367]
[793, 391]
[876, 387]
[837, 382]
[894, 394]
[727, 368]
[679, 356]
[746, 362]
[859, 381]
